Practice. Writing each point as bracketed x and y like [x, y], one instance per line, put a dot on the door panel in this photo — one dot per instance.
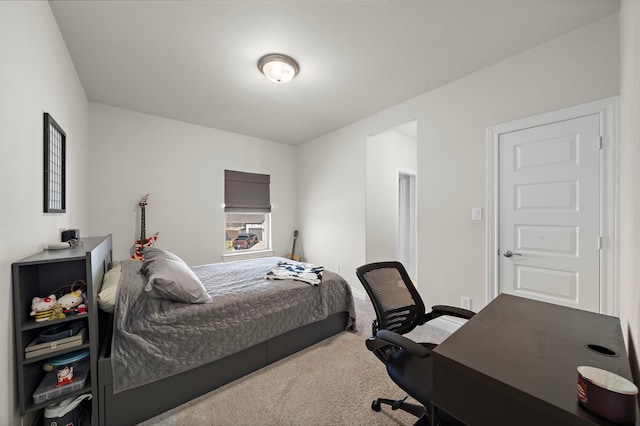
[546, 196]
[548, 239]
[550, 212]
[541, 282]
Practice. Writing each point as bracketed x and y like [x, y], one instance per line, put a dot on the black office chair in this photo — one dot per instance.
[399, 309]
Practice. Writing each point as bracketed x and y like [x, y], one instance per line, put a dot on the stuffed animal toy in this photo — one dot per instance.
[65, 376]
[71, 301]
[42, 308]
[57, 313]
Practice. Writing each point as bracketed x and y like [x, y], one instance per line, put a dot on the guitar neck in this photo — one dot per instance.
[142, 225]
[293, 247]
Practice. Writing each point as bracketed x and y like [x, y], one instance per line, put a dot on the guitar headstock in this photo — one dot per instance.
[143, 201]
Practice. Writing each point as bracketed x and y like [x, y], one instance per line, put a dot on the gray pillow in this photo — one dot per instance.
[152, 253]
[170, 278]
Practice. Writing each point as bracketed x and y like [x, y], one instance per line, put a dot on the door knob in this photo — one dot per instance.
[509, 253]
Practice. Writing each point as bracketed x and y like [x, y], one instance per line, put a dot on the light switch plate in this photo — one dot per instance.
[476, 213]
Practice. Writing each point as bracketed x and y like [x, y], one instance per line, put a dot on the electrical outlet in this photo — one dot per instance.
[465, 302]
[337, 269]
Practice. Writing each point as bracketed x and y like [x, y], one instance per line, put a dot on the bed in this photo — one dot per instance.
[158, 353]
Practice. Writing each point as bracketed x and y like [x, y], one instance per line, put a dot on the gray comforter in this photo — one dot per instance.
[156, 338]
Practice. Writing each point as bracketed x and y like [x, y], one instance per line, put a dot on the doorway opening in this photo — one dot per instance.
[407, 224]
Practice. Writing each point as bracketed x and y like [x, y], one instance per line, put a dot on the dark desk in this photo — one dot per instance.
[515, 362]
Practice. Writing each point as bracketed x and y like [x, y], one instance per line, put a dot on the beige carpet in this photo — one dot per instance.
[330, 383]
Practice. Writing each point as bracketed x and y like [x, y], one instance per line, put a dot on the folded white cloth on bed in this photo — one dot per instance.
[306, 272]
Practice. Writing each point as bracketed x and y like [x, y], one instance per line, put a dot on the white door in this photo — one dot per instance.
[549, 212]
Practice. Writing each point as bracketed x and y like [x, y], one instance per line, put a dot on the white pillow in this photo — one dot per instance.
[110, 281]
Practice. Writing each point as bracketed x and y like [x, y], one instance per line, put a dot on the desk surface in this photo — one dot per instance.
[515, 363]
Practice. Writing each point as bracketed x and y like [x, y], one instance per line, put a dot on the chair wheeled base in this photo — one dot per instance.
[399, 404]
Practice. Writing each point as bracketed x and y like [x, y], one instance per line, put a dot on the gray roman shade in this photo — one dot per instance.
[246, 192]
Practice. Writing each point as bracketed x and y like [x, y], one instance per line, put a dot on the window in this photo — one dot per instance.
[247, 232]
[247, 199]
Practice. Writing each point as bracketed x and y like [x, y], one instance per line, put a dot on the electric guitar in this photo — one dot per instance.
[143, 241]
[293, 254]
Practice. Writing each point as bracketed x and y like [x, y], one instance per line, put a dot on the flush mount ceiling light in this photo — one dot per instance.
[278, 68]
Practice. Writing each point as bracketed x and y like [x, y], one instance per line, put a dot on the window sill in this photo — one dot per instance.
[228, 257]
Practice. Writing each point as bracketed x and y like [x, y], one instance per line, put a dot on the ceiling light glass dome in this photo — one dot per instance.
[278, 68]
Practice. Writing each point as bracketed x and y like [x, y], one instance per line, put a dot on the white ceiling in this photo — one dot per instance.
[196, 61]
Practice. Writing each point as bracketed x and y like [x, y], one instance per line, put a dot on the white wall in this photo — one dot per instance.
[182, 167]
[452, 123]
[630, 176]
[387, 154]
[36, 76]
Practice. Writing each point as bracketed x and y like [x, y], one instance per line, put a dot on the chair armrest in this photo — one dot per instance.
[373, 343]
[403, 342]
[382, 349]
[440, 310]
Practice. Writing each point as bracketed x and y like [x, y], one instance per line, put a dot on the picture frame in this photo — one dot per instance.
[55, 140]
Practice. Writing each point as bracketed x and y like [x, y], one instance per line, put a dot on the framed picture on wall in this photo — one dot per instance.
[55, 140]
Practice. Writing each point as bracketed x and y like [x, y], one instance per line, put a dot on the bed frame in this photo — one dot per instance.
[141, 403]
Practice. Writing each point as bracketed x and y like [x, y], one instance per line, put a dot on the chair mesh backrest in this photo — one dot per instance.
[397, 303]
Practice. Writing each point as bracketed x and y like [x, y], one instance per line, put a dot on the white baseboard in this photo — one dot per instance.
[447, 323]
[359, 294]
